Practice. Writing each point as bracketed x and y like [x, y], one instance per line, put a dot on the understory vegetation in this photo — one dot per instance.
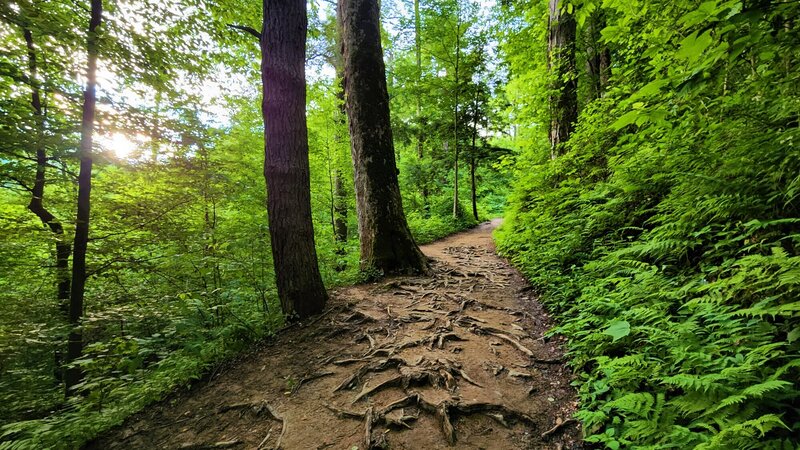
[665, 237]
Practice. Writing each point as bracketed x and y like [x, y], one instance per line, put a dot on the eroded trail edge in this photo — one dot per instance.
[455, 359]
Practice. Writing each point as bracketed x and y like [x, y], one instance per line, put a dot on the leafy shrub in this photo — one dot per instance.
[666, 239]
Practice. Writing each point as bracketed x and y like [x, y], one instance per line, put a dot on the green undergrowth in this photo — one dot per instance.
[429, 229]
[666, 240]
[119, 381]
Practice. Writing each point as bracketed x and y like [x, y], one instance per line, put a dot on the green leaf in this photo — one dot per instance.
[618, 329]
[626, 119]
[693, 46]
[651, 88]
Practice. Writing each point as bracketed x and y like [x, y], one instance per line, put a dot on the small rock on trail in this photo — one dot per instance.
[457, 359]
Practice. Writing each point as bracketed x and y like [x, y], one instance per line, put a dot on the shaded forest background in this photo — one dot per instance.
[647, 151]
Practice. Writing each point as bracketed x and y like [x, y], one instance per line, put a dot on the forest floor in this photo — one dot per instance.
[457, 359]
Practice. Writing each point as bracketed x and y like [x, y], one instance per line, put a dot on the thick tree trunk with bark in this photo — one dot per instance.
[36, 205]
[286, 167]
[73, 375]
[561, 62]
[386, 242]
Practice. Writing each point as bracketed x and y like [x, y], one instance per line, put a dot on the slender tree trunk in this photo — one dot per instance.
[456, 208]
[339, 191]
[209, 218]
[561, 62]
[420, 135]
[386, 242]
[286, 167]
[473, 158]
[340, 211]
[474, 192]
[36, 205]
[73, 375]
[604, 66]
[598, 56]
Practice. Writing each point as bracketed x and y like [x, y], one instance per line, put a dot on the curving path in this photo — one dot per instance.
[455, 360]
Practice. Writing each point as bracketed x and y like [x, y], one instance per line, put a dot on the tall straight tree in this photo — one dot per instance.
[386, 242]
[456, 88]
[561, 62]
[75, 340]
[286, 166]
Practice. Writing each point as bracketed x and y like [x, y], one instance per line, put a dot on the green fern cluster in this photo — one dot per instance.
[668, 242]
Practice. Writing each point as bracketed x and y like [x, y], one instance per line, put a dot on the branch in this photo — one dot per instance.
[246, 30]
[21, 183]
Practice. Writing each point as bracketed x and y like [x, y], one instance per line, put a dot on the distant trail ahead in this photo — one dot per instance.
[453, 360]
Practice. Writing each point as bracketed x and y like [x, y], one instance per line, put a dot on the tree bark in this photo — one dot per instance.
[339, 211]
[420, 135]
[286, 166]
[456, 206]
[339, 191]
[561, 62]
[473, 158]
[73, 375]
[598, 57]
[36, 205]
[386, 242]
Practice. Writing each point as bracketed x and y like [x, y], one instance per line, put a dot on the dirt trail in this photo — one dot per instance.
[453, 360]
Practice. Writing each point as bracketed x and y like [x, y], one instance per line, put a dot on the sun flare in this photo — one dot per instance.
[122, 145]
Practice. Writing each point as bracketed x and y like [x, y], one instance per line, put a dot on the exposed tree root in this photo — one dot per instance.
[501, 335]
[517, 374]
[395, 381]
[210, 446]
[355, 378]
[433, 373]
[257, 408]
[345, 414]
[368, 416]
[445, 411]
[558, 426]
[264, 441]
[400, 420]
[310, 377]
[449, 432]
[358, 318]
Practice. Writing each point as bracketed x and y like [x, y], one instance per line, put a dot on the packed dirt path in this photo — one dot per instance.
[455, 360]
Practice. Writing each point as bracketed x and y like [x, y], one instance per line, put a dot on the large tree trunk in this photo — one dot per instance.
[386, 242]
[75, 344]
[561, 62]
[283, 51]
[36, 205]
